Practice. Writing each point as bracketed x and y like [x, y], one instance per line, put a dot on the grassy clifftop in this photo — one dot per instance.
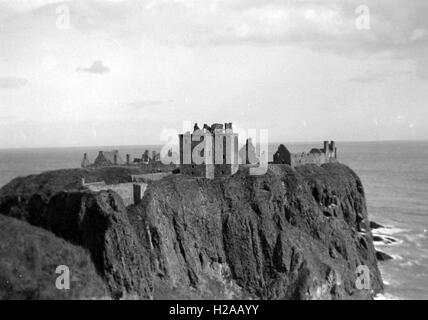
[51, 182]
[29, 258]
[22, 192]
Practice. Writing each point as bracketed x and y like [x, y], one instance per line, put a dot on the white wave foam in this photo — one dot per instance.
[388, 230]
[417, 239]
[410, 263]
[386, 241]
[397, 257]
[386, 296]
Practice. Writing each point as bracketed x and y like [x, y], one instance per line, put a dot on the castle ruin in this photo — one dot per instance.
[108, 158]
[315, 156]
[209, 152]
[113, 158]
[212, 152]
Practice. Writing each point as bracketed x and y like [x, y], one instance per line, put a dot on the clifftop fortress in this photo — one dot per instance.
[213, 152]
[315, 156]
[209, 152]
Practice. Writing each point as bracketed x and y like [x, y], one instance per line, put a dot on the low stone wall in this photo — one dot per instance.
[124, 190]
[298, 159]
[147, 177]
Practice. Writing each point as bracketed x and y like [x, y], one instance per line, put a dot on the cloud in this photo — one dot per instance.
[9, 119]
[142, 104]
[372, 77]
[326, 24]
[12, 82]
[25, 5]
[422, 69]
[97, 67]
[418, 34]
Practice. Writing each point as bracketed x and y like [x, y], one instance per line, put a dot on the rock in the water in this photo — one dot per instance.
[375, 225]
[382, 256]
[384, 239]
[377, 239]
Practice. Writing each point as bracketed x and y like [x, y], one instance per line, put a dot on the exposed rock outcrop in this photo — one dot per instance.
[375, 225]
[99, 223]
[270, 232]
[382, 256]
[290, 234]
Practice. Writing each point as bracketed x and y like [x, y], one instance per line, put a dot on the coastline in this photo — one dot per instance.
[289, 234]
[390, 196]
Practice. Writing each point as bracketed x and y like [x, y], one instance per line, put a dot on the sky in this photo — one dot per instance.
[86, 73]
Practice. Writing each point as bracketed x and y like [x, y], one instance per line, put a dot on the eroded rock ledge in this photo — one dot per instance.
[290, 234]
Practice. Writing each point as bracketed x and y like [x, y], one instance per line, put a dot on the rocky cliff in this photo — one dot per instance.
[290, 234]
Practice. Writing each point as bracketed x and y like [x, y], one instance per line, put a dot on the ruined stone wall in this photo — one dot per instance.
[101, 161]
[147, 177]
[214, 164]
[124, 190]
[298, 159]
[224, 151]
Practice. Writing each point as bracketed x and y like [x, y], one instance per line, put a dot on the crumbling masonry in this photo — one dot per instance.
[209, 152]
[315, 156]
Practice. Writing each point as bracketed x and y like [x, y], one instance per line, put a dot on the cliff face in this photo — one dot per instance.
[285, 235]
[99, 223]
[290, 234]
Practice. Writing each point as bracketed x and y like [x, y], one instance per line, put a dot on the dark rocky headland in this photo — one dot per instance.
[290, 234]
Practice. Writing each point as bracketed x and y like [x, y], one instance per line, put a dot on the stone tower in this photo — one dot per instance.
[210, 152]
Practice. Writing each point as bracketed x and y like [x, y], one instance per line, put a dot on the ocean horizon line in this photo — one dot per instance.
[160, 144]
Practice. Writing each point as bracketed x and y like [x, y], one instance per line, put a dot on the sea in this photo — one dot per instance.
[395, 179]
